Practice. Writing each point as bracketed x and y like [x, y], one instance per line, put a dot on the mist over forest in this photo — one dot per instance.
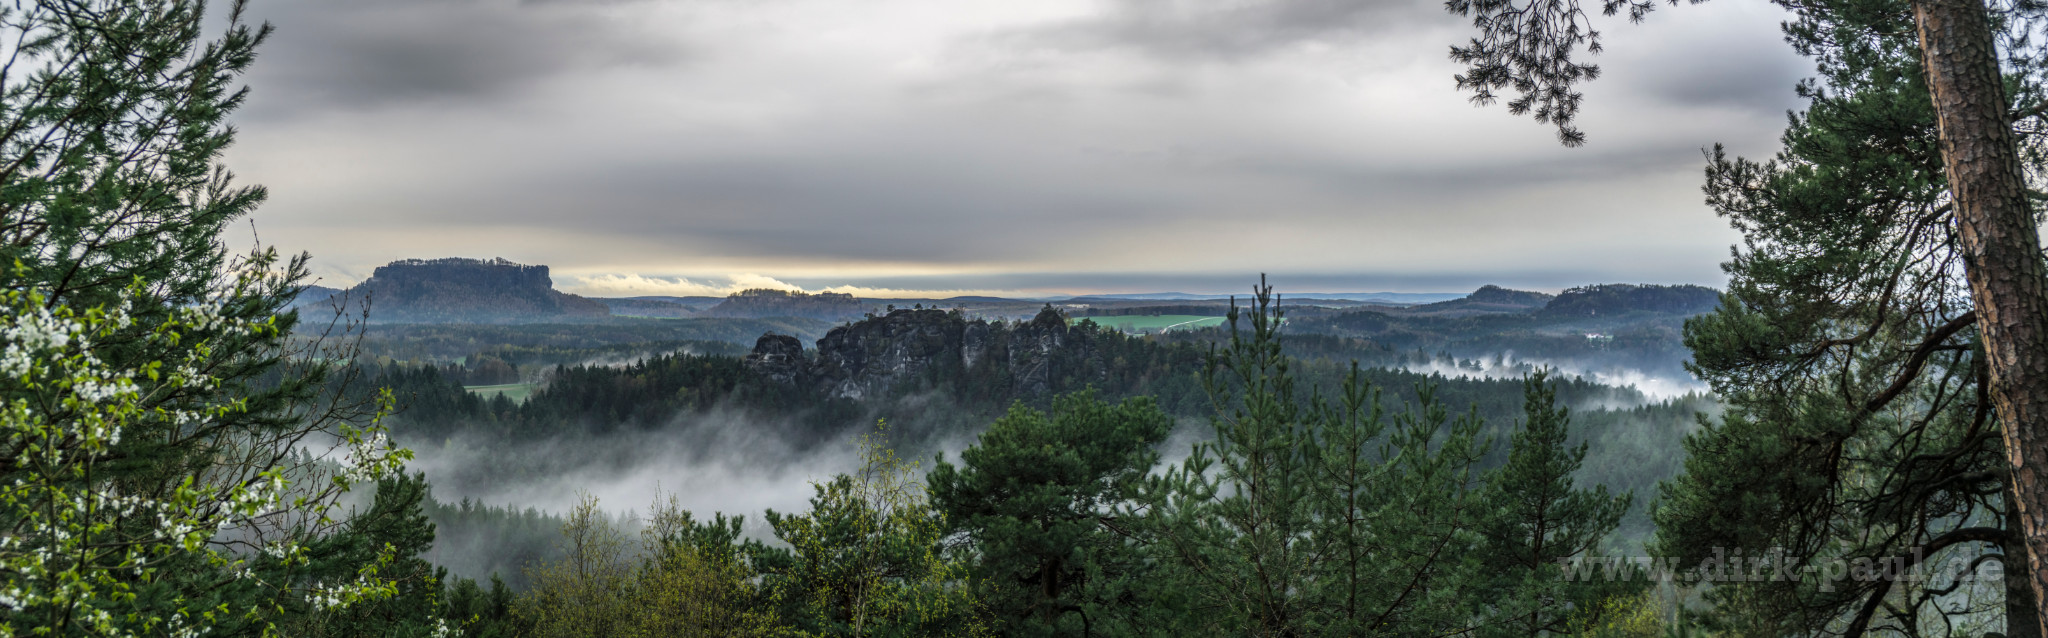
[532, 417]
[967, 318]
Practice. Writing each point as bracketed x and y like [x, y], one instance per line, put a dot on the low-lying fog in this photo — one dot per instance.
[731, 462]
[719, 462]
[1653, 386]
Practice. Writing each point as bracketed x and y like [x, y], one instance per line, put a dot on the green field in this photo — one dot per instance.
[1154, 323]
[517, 392]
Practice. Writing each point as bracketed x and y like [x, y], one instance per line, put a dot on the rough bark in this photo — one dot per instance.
[2020, 605]
[2001, 247]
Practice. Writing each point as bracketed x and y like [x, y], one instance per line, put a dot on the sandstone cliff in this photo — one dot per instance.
[878, 355]
[457, 290]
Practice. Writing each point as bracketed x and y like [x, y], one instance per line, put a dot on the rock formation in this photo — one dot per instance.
[875, 356]
[780, 358]
[457, 290]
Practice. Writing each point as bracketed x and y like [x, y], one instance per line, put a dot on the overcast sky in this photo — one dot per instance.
[944, 146]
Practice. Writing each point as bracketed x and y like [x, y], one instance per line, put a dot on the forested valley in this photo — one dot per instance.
[1111, 448]
[1848, 439]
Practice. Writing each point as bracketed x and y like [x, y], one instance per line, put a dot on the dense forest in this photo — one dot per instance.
[621, 391]
[1633, 440]
[1624, 325]
[1117, 428]
[198, 445]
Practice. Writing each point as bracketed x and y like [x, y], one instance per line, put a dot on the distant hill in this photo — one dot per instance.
[1145, 296]
[757, 303]
[458, 290]
[314, 294]
[1383, 297]
[648, 307]
[694, 302]
[1487, 299]
[1502, 296]
[1617, 299]
[1197, 310]
[963, 299]
[1638, 327]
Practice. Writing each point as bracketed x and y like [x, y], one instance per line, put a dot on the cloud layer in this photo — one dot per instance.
[962, 145]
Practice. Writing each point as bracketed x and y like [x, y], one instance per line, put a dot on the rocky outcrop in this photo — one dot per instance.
[780, 358]
[869, 357]
[457, 290]
[877, 355]
[1034, 348]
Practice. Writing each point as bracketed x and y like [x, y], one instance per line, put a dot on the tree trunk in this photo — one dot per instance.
[2001, 247]
[2020, 604]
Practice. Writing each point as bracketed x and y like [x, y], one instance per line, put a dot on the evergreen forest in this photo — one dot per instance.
[1849, 438]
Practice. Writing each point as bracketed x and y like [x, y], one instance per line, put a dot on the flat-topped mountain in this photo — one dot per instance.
[764, 302]
[459, 290]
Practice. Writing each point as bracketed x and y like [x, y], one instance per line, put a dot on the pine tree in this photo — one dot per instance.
[1540, 521]
[1037, 498]
[1302, 517]
[1859, 424]
[867, 559]
[1980, 75]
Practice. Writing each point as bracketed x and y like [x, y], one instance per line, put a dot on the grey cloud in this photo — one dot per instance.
[919, 210]
[1233, 28]
[1747, 69]
[773, 145]
[360, 53]
[837, 207]
[1699, 67]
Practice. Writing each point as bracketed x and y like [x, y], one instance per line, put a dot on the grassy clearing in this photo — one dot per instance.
[517, 392]
[1154, 323]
